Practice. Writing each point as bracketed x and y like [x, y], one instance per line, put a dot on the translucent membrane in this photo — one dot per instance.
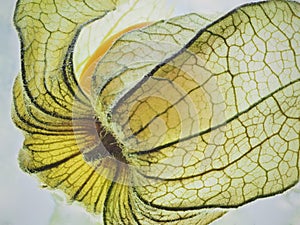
[85, 78]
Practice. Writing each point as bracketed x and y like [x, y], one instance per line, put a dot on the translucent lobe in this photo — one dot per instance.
[44, 28]
[250, 149]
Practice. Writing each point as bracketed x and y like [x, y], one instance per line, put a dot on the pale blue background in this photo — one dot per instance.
[22, 202]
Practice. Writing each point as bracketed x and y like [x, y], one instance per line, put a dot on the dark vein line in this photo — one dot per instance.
[158, 148]
[53, 165]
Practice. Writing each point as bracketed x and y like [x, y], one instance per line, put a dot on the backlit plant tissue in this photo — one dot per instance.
[145, 119]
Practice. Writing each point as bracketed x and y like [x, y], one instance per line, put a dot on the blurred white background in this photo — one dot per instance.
[23, 202]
